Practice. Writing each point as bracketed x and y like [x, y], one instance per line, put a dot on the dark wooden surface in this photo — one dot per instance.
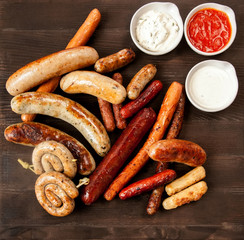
[31, 29]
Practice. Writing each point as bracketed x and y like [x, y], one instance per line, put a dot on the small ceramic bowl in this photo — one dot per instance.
[212, 85]
[164, 7]
[230, 13]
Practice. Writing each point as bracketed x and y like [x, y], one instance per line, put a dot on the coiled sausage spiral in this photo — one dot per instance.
[56, 192]
[53, 156]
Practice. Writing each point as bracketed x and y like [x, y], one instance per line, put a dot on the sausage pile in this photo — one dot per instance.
[58, 157]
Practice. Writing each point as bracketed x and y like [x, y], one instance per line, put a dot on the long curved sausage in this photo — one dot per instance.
[34, 133]
[176, 150]
[93, 83]
[63, 108]
[116, 157]
[51, 156]
[55, 192]
[53, 65]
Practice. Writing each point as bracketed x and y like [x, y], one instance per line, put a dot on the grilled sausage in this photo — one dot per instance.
[120, 121]
[140, 80]
[33, 133]
[146, 96]
[56, 192]
[175, 150]
[114, 61]
[93, 83]
[60, 107]
[116, 157]
[51, 156]
[148, 184]
[53, 65]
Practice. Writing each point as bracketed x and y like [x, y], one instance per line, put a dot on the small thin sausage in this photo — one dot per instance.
[178, 117]
[90, 82]
[50, 66]
[34, 133]
[145, 97]
[51, 156]
[55, 192]
[116, 157]
[107, 114]
[175, 150]
[155, 198]
[63, 108]
[120, 121]
[165, 115]
[114, 61]
[192, 193]
[185, 181]
[147, 184]
[140, 80]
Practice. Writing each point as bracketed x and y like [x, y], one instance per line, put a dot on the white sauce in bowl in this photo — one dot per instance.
[156, 31]
[212, 85]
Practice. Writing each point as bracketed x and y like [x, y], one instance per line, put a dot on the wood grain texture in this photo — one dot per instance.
[30, 29]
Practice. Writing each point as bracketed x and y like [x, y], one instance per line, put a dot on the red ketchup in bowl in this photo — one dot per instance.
[209, 30]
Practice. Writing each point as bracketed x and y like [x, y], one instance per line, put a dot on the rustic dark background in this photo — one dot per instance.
[31, 29]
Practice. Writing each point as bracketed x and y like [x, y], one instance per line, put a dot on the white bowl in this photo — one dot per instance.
[230, 13]
[165, 7]
[212, 85]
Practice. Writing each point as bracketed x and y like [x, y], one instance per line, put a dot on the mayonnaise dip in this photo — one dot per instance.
[211, 87]
[156, 31]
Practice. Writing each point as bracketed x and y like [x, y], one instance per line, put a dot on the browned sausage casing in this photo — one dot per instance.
[115, 61]
[175, 150]
[33, 133]
[53, 65]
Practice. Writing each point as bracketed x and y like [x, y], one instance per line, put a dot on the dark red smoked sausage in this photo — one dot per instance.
[148, 94]
[148, 184]
[116, 157]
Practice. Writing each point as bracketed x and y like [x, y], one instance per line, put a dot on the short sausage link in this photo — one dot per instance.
[140, 80]
[114, 61]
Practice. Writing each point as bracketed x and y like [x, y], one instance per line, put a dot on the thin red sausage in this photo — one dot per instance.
[116, 157]
[120, 121]
[146, 96]
[107, 114]
[148, 184]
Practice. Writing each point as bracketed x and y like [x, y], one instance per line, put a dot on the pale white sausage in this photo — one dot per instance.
[53, 65]
[60, 107]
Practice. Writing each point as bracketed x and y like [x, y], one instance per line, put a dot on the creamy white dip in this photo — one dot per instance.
[211, 87]
[156, 31]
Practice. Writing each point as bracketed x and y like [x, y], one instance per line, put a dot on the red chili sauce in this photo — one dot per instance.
[209, 30]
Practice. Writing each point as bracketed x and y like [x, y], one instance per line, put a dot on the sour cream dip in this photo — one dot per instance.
[212, 87]
[156, 31]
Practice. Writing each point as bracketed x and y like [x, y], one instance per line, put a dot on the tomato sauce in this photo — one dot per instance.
[209, 30]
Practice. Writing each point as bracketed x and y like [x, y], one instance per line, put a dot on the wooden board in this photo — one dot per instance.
[31, 29]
